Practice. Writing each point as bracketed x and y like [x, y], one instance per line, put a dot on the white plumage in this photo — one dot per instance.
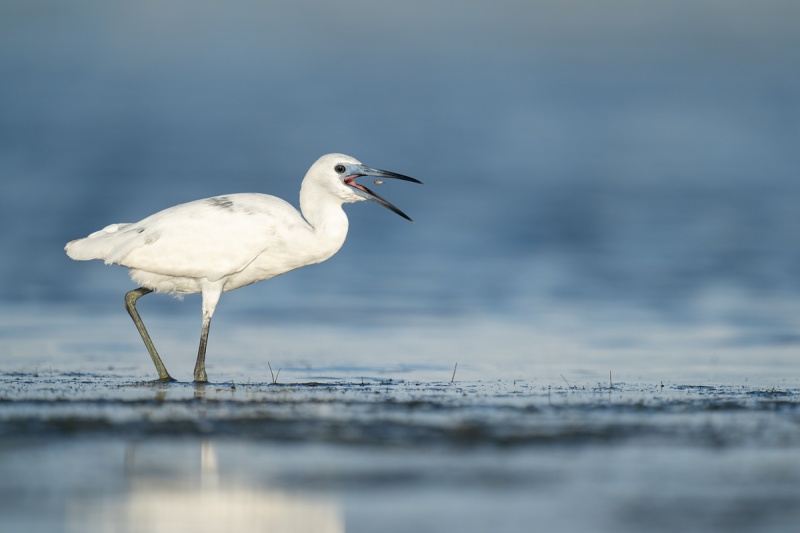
[222, 243]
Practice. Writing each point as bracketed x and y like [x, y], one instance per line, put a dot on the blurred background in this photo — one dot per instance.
[627, 165]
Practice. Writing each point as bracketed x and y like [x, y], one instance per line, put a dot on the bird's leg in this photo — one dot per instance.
[210, 298]
[200, 366]
[130, 305]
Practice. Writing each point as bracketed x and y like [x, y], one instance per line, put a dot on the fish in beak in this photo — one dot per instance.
[356, 171]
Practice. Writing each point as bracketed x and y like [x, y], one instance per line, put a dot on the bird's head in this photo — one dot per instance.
[337, 174]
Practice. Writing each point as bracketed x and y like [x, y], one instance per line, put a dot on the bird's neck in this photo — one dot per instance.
[325, 214]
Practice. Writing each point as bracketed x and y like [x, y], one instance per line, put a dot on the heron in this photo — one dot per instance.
[222, 243]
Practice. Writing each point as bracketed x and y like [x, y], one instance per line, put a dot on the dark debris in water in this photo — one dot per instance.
[400, 413]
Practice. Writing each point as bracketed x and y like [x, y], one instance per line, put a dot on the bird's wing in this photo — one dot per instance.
[210, 238]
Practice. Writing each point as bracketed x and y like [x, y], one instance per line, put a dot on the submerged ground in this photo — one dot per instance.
[94, 452]
[315, 427]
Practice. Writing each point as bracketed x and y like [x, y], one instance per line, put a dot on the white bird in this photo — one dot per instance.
[222, 243]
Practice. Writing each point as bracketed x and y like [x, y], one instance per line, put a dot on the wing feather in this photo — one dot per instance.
[210, 238]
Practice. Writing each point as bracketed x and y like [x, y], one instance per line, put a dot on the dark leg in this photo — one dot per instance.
[200, 366]
[130, 305]
[211, 294]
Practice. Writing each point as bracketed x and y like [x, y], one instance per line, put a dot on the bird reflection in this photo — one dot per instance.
[200, 501]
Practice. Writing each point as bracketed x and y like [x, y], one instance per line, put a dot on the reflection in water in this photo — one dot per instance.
[155, 502]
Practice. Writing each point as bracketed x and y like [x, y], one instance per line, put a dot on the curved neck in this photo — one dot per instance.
[328, 220]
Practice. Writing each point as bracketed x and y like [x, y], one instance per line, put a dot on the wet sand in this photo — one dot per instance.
[93, 452]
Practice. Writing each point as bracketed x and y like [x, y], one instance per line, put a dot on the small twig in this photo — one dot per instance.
[610, 381]
[452, 379]
[274, 376]
[565, 381]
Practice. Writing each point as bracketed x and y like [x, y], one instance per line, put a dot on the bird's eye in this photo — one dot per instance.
[339, 169]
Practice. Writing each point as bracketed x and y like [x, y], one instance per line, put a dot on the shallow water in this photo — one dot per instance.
[382, 434]
[89, 452]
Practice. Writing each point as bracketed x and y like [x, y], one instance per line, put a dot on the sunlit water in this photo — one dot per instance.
[605, 246]
[85, 452]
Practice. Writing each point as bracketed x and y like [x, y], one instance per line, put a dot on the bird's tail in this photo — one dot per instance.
[98, 245]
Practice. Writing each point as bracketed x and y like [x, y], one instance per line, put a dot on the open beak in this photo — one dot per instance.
[362, 170]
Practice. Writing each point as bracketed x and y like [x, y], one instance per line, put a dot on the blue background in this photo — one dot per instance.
[625, 161]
